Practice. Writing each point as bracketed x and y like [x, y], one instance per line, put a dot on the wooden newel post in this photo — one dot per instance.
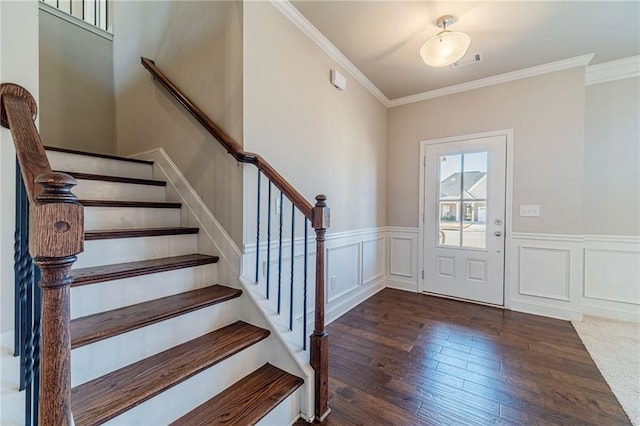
[319, 339]
[56, 235]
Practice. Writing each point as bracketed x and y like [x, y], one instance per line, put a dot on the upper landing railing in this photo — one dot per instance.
[317, 215]
[93, 12]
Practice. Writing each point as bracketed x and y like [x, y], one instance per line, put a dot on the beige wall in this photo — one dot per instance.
[19, 64]
[546, 114]
[321, 139]
[612, 158]
[76, 87]
[199, 46]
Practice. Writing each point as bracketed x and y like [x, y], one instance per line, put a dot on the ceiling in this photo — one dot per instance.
[382, 38]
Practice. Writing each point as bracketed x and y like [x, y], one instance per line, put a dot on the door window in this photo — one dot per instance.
[462, 203]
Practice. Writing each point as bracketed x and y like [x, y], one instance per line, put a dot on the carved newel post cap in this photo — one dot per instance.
[320, 200]
[56, 223]
[56, 188]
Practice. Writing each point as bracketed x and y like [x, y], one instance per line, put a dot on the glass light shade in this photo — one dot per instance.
[445, 48]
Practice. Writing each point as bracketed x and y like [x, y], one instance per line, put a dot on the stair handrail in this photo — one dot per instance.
[56, 236]
[230, 144]
[318, 215]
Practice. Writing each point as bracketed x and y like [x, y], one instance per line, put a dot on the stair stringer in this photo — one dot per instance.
[214, 240]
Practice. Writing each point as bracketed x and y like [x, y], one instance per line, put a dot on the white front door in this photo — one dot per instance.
[464, 215]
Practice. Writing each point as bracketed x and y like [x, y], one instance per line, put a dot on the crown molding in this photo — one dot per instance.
[623, 68]
[288, 10]
[613, 70]
[564, 64]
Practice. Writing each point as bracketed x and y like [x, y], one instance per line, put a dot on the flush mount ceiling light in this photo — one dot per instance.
[446, 47]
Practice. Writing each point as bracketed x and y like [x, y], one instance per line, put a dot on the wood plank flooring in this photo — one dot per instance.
[402, 358]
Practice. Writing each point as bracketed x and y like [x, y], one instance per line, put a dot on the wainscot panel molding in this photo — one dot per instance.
[344, 264]
[402, 263]
[612, 277]
[544, 276]
[551, 282]
[355, 269]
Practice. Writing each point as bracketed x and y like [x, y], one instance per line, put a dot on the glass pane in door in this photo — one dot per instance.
[449, 194]
[449, 230]
[474, 202]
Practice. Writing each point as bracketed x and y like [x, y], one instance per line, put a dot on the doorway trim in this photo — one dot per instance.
[508, 134]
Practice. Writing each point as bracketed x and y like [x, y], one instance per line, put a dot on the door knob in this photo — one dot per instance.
[498, 233]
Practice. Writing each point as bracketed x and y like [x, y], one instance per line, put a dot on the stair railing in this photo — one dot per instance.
[54, 237]
[94, 12]
[317, 215]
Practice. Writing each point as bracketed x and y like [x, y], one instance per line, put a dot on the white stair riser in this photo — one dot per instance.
[93, 298]
[184, 397]
[89, 362]
[97, 218]
[98, 166]
[286, 413]
[104, 190]
[121, 250]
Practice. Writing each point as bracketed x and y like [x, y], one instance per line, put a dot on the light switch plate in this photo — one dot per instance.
[530, 210]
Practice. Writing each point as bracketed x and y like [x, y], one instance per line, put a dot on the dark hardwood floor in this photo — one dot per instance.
[403, 358]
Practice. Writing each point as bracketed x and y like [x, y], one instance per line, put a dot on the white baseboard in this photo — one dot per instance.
[546, 310]
[610, 312]
[402, 285]
[353, 300]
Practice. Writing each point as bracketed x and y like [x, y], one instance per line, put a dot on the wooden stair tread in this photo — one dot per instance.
[118, 203]
[107, 178]
[104, 398]
[107, 234]
[117, 271]
[107, 324]
[245, 402]
[94, 154]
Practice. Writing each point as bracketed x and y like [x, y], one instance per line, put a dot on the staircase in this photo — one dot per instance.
[155, 339]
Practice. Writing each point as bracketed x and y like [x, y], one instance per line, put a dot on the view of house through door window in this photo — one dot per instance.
[462, 200]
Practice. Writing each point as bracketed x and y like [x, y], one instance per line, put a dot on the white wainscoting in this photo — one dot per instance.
[544, 275]
[354, 269]
[402, 261]
[612, 277]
